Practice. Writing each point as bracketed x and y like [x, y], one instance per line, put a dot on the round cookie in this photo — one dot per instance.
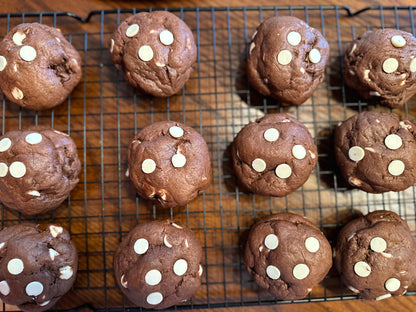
[39, 68]
[169, 163]
[376, 152]
[39, 167]
[375, 255]
[382, 64]
[37, 267]
[158, 264]
[273, 155]
[287, 59]
[287, 255]
[155, 51]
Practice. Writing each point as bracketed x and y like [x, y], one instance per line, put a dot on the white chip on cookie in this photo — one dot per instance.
[315, 56]
[17, 93]
[356, 153]
[3, 63]
[178, 160]
[15, 266]
[283, 171]
[390, 65]
[300, 271]
[271, 135]
[293, 38]
[34, 289]
[284, 57]
[132, 30]
[298, 151]
[166, 37]
[153, 277]
[145, 53]
[258, 165]
[17, 169]
[18, 38]
[154, 298]
[312, 244]
[392, 284]
[273, 272]
[271, 241]
[398, 41]
[180, 267]
[396, 167]
[378, 244]
[393, 141]
[3, 170]
[141, 246]
[27, 53]
[362, 269]
[413, 65]
[148, 166]
[33, 138]
[176, 131]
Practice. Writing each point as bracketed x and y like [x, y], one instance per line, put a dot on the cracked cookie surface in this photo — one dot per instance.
[375, 255]
[287, 255]
[39, 68]
[376, 152]
[158, 264]
[155, 51]
[287, 59]
[169, 163]
[37, 267]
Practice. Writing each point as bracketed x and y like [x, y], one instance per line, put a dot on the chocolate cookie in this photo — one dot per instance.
[382, 64]
[287, 255]
[287, 59]
[376, 255]
[36, 267]
[39, 68]
[376, 152]
[169, 163]
[273, 155]
[158, 264]
[39, 167]
[155, 51]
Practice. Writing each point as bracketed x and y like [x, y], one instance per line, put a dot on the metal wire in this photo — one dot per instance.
[103, 114]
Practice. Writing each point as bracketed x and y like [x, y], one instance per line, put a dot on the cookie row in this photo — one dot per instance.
[156, 52]
[158, 264]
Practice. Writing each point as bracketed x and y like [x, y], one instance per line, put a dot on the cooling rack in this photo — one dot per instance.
[103, 114]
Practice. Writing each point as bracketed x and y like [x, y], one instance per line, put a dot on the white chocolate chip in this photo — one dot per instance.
[34, 193]
[298, 151]
[271, 241]
[378, 244]
[166, 37]
[55, 230]
[370, 149]
[413, 65]
[176, 225]
[386, 255]
[354, 181]
[27, 53]
[405, 126]
[17, 93]
[392, 284]
[393, 141]
[33, 138]
[366, 73]
[252, 46]
[44, 303]
[315, 56]
[17, 169]
[145, 53]
[3, 170]
[362, 269]
[356, 153]
[396, 167]
[3, 62]
[271, 134]
[66, 272]
[312, 244]
[398, 41]
[148, 166]
[258, 165]
[253, 35]
[390, 65]
[353, 48]
[283, 171]
[53, 254]
[383, 297]
[273, 272]
[178, 160]
[188, 44]
[140, 246]
[302, 70]
[186, 243]
[154, 298]
[301, 271]
[374, 93]
[15, 266]
[4, 288]
[293, 38]
[284, 57]
[34, 289]
[18, 38]
[123, 282]
[127, 173]
[176, 131]
[200, 270]
[2, 245]
[153, 277]
[180, 267]
[111, 46]
[355, 290]
[132, 30]
[351, 236]
[165, 241]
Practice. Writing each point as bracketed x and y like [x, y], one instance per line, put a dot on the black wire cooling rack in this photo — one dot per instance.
[103, 113]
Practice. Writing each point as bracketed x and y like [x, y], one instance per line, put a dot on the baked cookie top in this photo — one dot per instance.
[155, 51]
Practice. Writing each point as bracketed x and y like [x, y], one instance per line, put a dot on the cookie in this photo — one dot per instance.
[169, 163]
[36, 267]
[287, 255]
[39, 167]
[158, 264]
[39, 68]
[376, 255]
[381, 64]
[287, 59]
[155, 51]
[273, 155]
[376, 152]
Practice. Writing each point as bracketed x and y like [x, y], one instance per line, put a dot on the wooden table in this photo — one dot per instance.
[82, 7]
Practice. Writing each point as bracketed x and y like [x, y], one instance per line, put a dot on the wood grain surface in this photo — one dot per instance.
[102, 144]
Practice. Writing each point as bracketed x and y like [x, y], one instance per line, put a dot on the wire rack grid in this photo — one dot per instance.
[103, 114]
